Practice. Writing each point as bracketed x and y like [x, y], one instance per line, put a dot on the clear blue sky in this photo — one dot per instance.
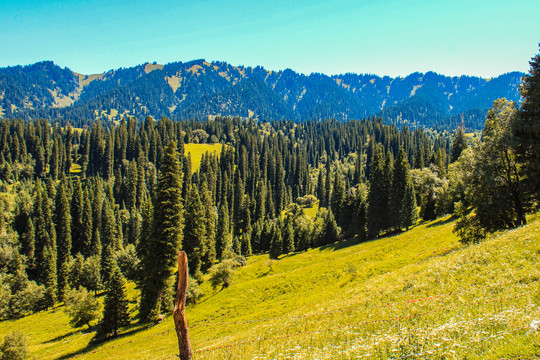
[382, 37]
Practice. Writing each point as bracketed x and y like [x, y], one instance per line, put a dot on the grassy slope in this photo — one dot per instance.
[397, 297]
[197, 151]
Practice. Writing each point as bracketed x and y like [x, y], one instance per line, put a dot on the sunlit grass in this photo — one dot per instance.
[419, 294]
[197, 151]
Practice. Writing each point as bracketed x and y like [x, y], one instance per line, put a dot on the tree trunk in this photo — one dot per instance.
[179, 313]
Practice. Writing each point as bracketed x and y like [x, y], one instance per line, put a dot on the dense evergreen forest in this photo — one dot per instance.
[88, 207]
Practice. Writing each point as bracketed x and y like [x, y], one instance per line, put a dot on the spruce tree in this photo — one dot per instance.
[398, 193]
[526, 128]
[210, 219]
[288, 236]
[223, 233]
[194, 231]
[63, 236]
[276, 242]
[376, 197]
[458, 144]
[115, 307]
[167, 239]
[77, 226]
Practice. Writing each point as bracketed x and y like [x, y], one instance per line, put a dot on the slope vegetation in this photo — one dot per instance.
[420, 294]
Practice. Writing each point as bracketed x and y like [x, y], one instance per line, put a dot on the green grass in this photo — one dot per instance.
[420, 294]
[197, 151]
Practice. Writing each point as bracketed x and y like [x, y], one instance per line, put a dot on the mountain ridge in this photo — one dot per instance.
[198, 89]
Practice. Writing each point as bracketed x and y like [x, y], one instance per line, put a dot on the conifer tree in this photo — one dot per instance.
[330, 233]
[376, 198]
[108, 227]
[115, 309]
[223, 234]
[398, 191]
[48, 275]
[409, 214]
[86, 226]
[63, 236]
[77, 226]
[338, 197]
[276, 242]
[168, 224]
[210, 218]
[458, 144]
[194, 231]
[288, 236]
[526, 128]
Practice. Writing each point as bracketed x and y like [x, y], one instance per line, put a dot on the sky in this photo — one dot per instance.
[382, 37]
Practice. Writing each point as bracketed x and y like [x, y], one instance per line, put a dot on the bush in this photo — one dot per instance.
[222, 273]
[14, 347]
[193, 292]
[128, 262]
[308, 200]
[82, 307]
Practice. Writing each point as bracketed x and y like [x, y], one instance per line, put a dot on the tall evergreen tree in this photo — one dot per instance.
[168, 224]
[63, 236]
[288, 236]
[526, 128]
[77, 226]
[276, 242]
[377, 199]
[115, 309]
[194, 231]
[458, 144]
[223, 233]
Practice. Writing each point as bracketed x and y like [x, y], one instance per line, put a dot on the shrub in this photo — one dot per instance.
[14, 347]
[82, 307]
[222, 273]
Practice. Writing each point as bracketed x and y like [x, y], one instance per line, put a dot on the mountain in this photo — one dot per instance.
[198, 89]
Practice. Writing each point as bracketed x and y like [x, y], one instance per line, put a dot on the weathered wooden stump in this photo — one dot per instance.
[179, 313]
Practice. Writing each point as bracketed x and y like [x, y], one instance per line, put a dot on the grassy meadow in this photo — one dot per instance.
[197, 151]
[419, 294]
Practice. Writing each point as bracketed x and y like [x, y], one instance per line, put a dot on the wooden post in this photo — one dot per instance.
[179, 313]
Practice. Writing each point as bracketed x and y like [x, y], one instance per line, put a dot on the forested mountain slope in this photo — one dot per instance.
[198, 89]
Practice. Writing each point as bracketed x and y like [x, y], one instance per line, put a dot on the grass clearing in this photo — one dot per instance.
[419, 294]
[197, 151]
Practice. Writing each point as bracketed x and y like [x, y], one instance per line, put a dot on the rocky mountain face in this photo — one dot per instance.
[199, 89]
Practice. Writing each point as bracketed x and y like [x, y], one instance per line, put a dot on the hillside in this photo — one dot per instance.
[198, 89]
[420, 294]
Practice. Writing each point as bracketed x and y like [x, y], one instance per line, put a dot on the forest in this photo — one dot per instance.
[85, 209]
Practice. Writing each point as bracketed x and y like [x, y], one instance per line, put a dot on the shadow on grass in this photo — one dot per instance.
[94, 344]
[62, 337]
[442, 221]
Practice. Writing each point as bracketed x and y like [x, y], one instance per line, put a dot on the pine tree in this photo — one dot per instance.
[168, 224]
[376, 198]
[409, 214]
[223, 233]
[115, 309]
[63, 236]
[210, 218]
[330, 233]
[288, 236]
[398, 193]
[458, 144]
[49, 276]
[194, 231]
[77, 226]
[108, 227]
[276, 243]
[526, 128]
[85, 233]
